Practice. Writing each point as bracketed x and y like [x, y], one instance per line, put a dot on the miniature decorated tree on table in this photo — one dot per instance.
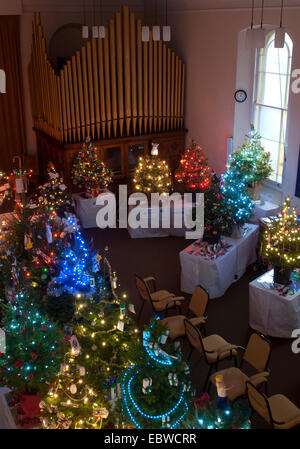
[89, 172]
[217, 219]
[156, 388]
[236, 198]
[152, 176]
[54, 196]
[206, 415]
[281, 243]
[193, 170]
[251, 163]
[33, 354]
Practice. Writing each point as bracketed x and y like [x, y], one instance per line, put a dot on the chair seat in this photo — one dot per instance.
[235, 380]
[160, 295]
[161, 305]
[218, 348]
[283, 410]
[176, 324]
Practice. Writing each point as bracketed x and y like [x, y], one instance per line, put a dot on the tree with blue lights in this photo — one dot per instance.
[77, 265]
[156, 387]
[236, 197]
[33, 347]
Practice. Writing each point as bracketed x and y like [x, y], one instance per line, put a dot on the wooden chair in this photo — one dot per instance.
[160, 300]
[256, 356]
[213, 348]
[197, 307]
[277, 410]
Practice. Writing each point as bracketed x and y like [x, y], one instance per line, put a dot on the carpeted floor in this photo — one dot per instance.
[227, 316]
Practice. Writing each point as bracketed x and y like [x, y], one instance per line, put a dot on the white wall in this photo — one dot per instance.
[208, 43]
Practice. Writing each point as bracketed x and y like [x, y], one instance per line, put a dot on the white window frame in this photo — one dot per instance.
[259, 85]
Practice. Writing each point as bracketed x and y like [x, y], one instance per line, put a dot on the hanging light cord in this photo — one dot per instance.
[281, 12]
[262, 13]
[252, 15]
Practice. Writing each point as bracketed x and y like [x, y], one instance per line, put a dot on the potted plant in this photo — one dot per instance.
[281, 243]
[252, 163]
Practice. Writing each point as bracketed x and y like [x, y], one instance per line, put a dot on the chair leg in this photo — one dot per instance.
[140, 312]
[207, 378]
[190, 353]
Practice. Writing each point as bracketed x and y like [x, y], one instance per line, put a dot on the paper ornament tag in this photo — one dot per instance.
[48, 233]
[20, 185]
[75, 346]
[120, 325]
[131, 308]
[73, 389]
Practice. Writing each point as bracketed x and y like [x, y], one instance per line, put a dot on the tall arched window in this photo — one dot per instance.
[273, 70]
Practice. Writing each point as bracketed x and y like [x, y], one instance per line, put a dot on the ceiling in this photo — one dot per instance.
[173, 5]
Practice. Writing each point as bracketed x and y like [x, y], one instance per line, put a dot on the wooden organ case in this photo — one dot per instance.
[120, 91]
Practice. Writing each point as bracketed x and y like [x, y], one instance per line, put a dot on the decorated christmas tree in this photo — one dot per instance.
[71, 402]
[156, 387]
[281, 241]
[206, 415]
[76, 266]
[193, 170]
[33, 347]
[236, 198]
[251, 162]
[54, 196]
[217, 219]
[6, 192]
[152, 175]
[89, 172]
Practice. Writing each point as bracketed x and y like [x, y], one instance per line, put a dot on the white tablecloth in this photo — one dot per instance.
[218, 274]
[183, 214]
[267, 209]
[87, 209]
[269, 311]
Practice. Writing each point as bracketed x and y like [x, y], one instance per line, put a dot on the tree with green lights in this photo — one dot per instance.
[251, 162]
[156, 387]
[33, 347]
[152, 176]
[89, 171]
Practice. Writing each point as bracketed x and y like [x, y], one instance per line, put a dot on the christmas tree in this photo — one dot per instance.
[89, 171]
[54, 196]
[71, 402]
[152, 176]
[217, 219]
[6, 192]
[236, 198]
[193, 170]
[156, 387]
[281, 241]
[206, 415]
[33, 347]
[251, 162]
[76, 266]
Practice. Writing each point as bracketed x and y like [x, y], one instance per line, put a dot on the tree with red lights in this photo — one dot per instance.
[193, 170]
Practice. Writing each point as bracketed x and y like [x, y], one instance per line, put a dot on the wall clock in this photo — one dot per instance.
[240, 96]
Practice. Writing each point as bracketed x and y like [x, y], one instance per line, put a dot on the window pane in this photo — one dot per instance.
[273, 148]
[277, 59]
[269, 123]
[275, 90]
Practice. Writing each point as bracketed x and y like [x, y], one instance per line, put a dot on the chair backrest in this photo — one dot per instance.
[259, 402]
[257, 352]
[199, 301]
[142, 289]
[194, 336]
